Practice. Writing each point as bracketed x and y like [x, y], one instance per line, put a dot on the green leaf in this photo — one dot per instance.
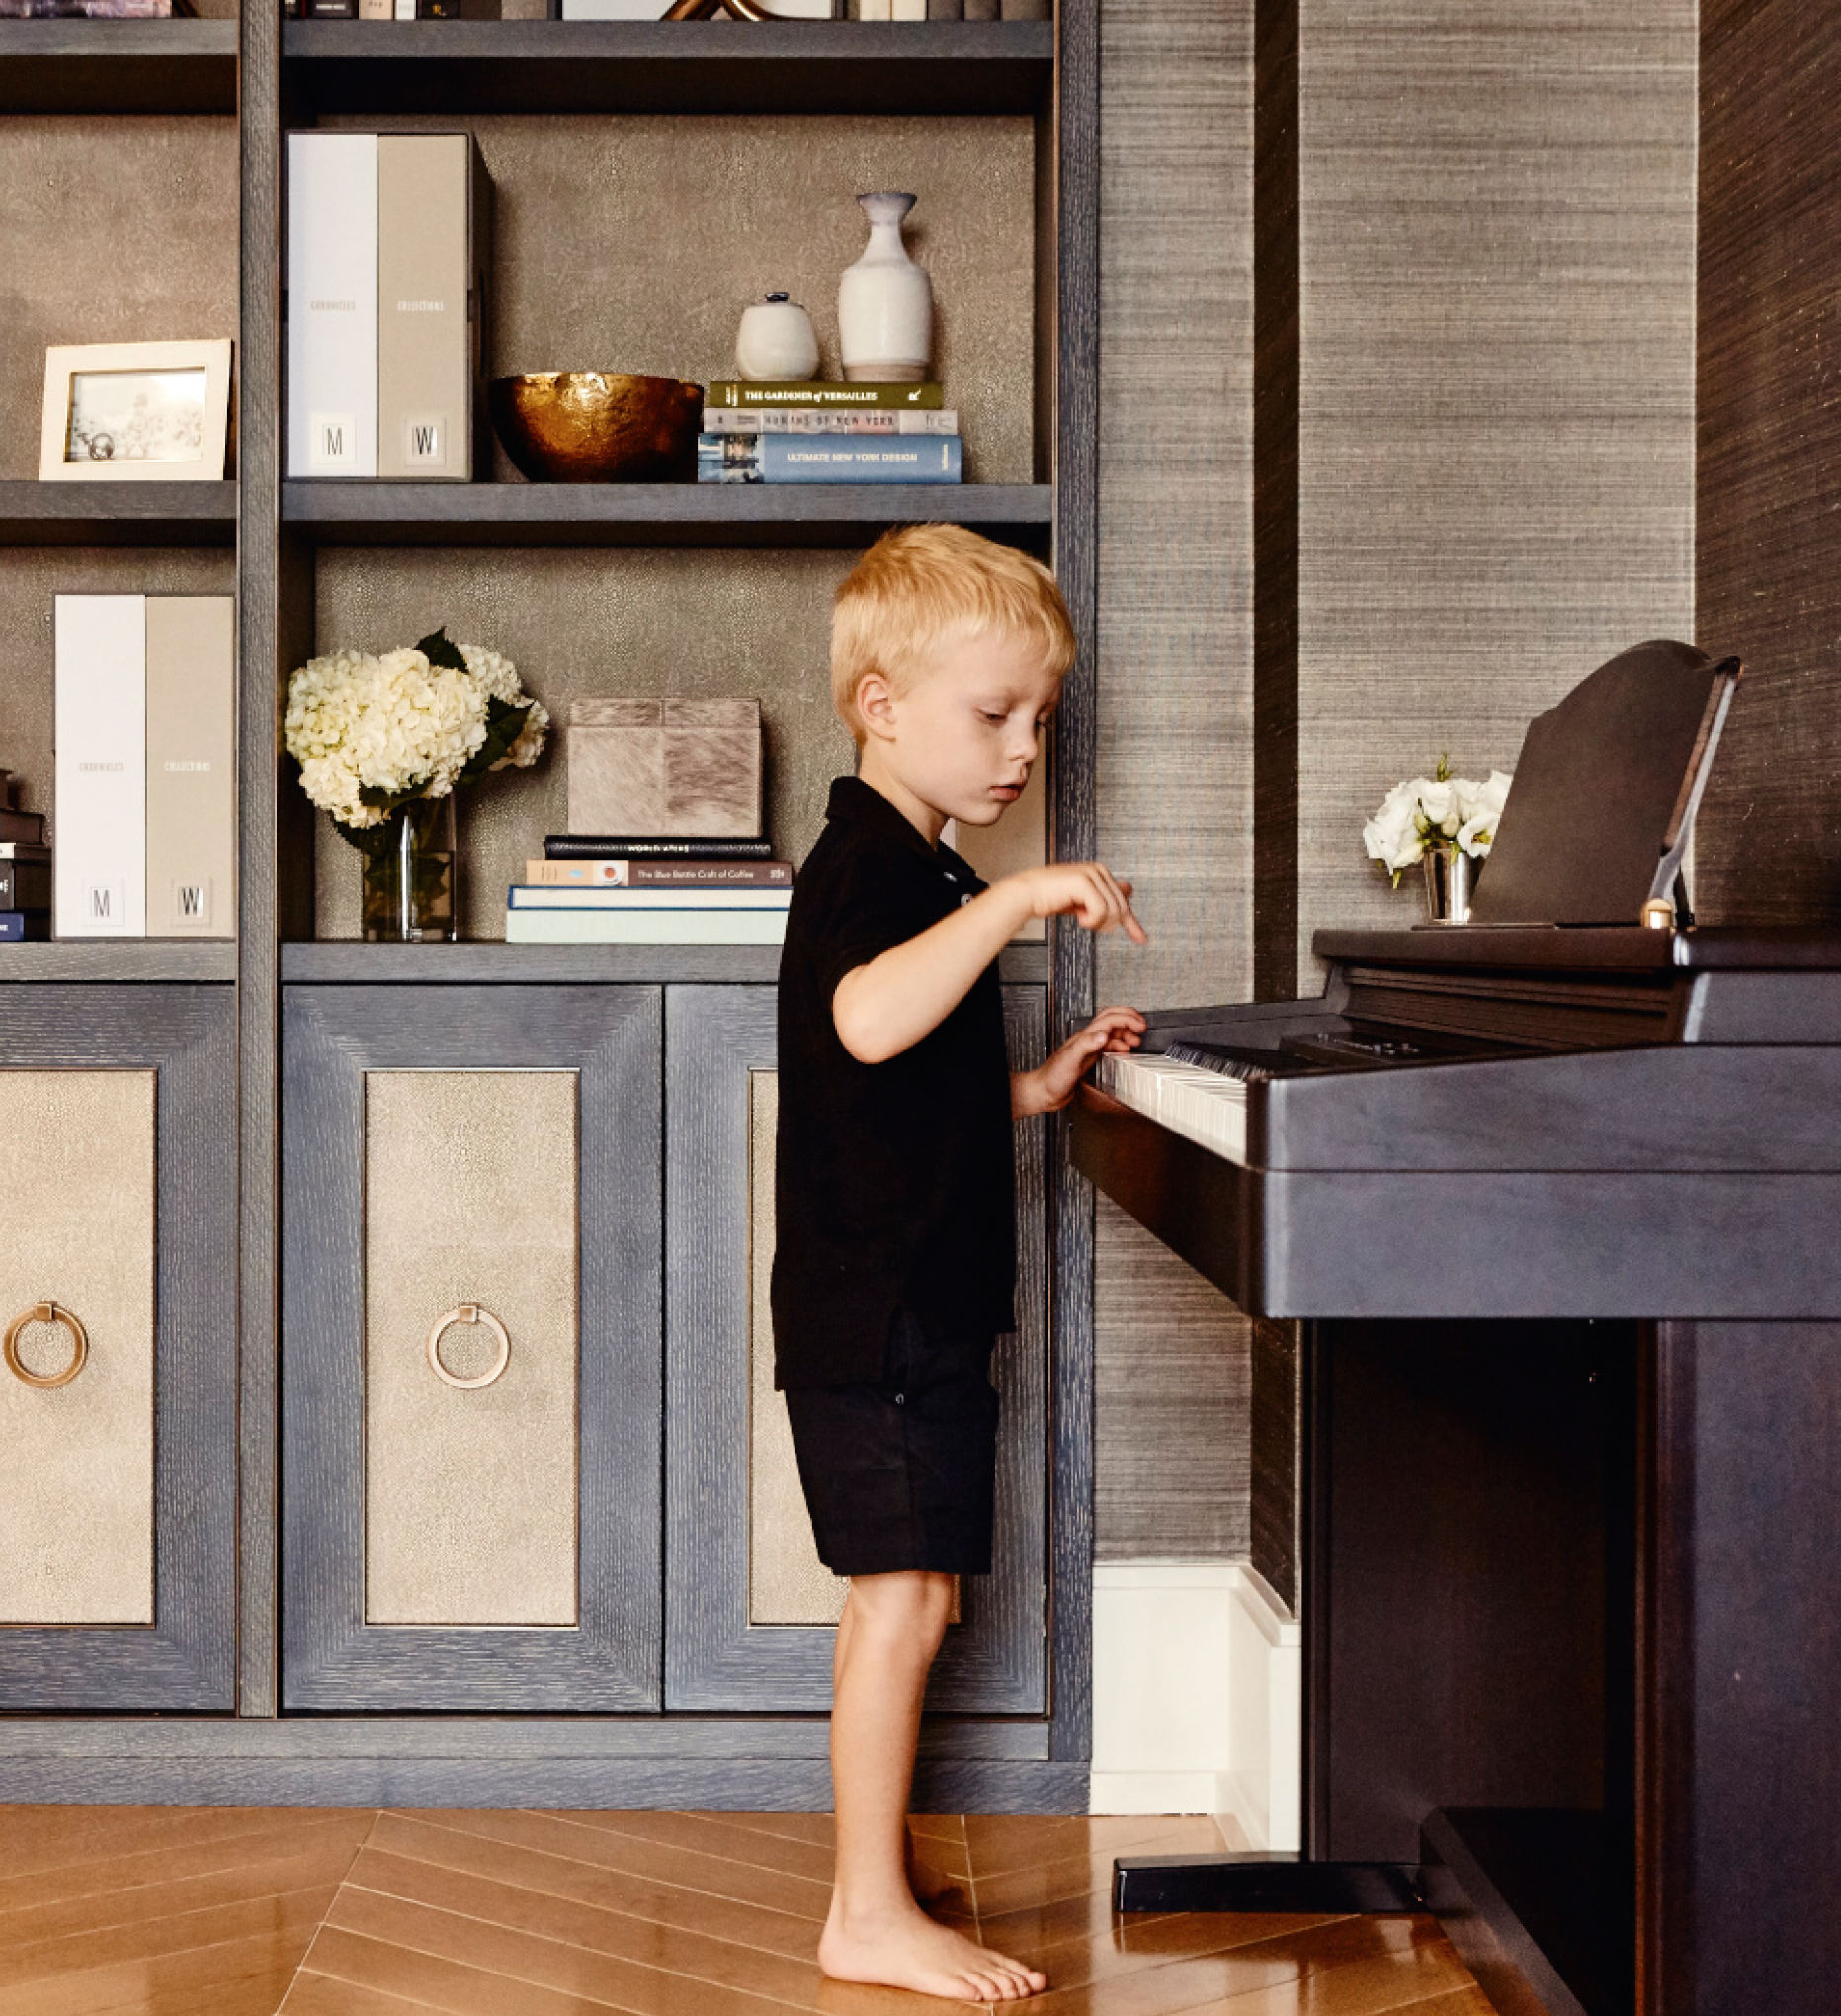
[438, 652]
[504, 724]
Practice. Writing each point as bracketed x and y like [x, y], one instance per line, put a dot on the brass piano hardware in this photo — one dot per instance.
[47, 1312]
[1658, 915]
[465, 1312]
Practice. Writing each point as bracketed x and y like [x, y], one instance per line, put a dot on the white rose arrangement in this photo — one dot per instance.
[1425, 813]
[373, 733]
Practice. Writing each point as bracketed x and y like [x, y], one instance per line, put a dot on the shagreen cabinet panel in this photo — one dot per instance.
[118, 1398]
[77, 1414]
[471, 1351]
[491, 1156]
[748, 1606]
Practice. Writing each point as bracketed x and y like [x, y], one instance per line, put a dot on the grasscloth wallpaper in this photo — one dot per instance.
[1494, 279]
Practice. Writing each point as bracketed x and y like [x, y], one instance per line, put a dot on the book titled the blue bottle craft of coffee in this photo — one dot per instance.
[827, 459]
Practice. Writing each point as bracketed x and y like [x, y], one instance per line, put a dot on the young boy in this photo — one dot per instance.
[897, 1247]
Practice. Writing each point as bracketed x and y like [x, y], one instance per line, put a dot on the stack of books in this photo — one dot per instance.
[144, 745]
[610, 890]
[820, 431]
[25, 869]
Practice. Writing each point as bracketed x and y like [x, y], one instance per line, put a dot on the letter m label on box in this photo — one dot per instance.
[334, 440]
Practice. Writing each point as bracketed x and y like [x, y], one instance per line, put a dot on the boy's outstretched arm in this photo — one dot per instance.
[886, 1005]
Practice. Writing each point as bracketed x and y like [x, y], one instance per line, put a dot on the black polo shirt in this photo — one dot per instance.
[894, 1183]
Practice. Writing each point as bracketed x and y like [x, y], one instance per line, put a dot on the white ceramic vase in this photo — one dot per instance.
[776, 341]
[885, 302]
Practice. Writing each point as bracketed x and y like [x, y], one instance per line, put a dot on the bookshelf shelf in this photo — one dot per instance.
[706, 66]
[332, 961]
[117, 514]
[651, 514]
[141, 961]
[118, 66]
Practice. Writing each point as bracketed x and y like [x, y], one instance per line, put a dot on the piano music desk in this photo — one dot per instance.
[1567, 1278]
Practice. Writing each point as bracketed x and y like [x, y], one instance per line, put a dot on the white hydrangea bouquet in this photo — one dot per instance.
[1426, 818]
[382, 741]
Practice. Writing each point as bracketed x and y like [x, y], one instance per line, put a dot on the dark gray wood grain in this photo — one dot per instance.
[502, 1739]
[713, 1658]
[331, 1658]
[678, 66]
[343, 961]
[727, 1785]
[654, 514]
[139, 961]
[186, 1660]
[64, 66]
[261, 645]
[111, 514]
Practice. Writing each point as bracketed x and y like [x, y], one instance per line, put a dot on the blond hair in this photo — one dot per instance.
[921, 587]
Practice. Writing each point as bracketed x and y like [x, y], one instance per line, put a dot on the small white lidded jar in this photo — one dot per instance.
[776, 341]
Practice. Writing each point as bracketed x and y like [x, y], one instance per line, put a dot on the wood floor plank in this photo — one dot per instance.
[565, 1877]
[1049, 1880]
[1233, 1984]
[297, 1831]
[288, 1866]
[999, 1842]
[101, 1981]
[320, 1995]
[459, 1989]
[1465, 2001]
[817, 1829]
[35, 1838]
[682, 1868]
[1306, 1948]
[713, 1834]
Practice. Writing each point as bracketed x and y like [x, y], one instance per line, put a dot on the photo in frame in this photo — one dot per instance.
[136, 412]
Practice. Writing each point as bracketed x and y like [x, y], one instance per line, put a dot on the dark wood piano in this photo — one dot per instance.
[1557, 1208]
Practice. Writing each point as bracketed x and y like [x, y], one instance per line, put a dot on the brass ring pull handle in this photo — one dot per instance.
[467, 1313]
[47, 1312]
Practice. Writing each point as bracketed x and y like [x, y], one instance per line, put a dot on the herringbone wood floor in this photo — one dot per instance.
[222, 1911]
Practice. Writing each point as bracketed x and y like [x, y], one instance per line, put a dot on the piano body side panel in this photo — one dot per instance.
[1203, 1207]
[1662, 1108]
[1768, 1008]
[1571, 1244]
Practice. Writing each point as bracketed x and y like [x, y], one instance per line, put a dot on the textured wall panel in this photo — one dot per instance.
[699, 624]
[634, 244]
[76, 1485]
[1175, 703]
[1769, 846]
[787, 1581]
[1498, 387]
[471, 1185]
[111, 230]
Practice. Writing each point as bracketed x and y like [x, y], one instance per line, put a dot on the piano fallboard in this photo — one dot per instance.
[1665, 1141]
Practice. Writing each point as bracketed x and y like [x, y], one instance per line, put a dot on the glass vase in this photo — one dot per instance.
[409, 875]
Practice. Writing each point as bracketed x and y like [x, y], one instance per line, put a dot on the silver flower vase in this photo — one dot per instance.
[1450, 879]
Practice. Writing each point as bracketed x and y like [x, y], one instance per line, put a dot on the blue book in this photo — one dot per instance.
[16, 925]
[828, 459]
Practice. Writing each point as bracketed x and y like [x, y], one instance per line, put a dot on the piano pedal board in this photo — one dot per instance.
[1262, 1881]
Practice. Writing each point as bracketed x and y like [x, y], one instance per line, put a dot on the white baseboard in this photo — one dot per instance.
[1198, 1673]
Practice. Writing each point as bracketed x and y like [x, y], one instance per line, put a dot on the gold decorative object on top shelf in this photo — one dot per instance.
[47, 1313]
[597, 427]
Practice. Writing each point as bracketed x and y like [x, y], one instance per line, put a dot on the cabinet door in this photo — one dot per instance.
[471, 1355]
[749, 1607]
[118, 1393]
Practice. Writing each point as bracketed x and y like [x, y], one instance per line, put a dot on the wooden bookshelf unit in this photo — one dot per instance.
[651, 179]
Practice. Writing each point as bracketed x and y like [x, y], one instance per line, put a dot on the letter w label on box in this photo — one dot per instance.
[145, 832]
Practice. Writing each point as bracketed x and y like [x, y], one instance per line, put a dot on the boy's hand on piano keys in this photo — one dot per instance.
[1085, 891]
[1050, 1087]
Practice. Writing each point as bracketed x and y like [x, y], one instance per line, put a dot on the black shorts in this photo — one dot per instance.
[901, 1474]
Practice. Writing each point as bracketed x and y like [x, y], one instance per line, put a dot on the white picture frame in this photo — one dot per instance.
[136, 412]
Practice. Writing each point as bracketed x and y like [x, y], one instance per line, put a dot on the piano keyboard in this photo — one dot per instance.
[1198, 1103]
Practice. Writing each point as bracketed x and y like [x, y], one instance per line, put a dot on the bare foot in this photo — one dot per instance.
[907, 1950]
[934, 1890]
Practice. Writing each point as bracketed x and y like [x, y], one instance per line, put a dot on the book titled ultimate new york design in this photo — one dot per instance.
[827, 459]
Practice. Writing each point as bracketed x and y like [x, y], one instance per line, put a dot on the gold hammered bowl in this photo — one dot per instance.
[598, 426]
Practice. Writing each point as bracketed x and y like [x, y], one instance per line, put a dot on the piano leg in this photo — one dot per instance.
[1469, 1607]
